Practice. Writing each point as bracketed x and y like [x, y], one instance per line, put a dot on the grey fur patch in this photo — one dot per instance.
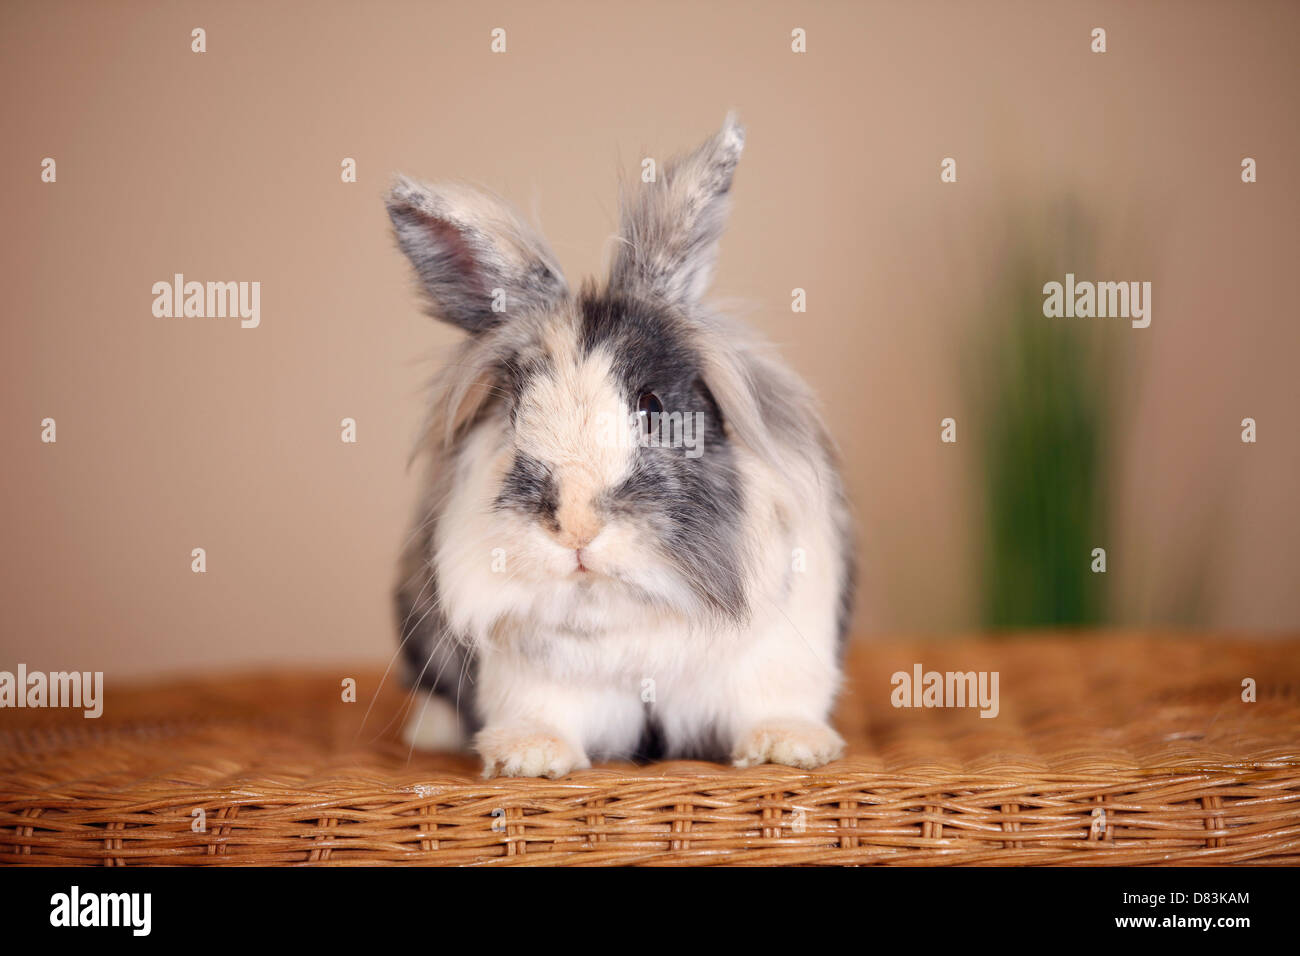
[529, 488]
[433, 657]
[848, 574]
[706, 743]
[693, 505]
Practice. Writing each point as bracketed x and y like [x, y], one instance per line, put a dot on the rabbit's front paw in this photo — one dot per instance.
[526, 752]
[795, 743]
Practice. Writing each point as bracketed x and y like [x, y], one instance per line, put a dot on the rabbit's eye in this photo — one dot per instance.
[648, 410]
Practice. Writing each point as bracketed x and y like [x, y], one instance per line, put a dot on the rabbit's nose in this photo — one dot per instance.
[576, 528]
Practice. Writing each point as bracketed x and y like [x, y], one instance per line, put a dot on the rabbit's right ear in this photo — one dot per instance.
[670, 229]
[477, 261]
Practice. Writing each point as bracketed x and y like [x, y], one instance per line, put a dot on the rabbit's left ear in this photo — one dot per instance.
[668, 242]
[476, 260]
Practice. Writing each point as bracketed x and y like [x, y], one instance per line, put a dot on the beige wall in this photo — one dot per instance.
[183, 433]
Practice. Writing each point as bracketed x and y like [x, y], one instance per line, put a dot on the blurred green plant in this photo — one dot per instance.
[1044, 390]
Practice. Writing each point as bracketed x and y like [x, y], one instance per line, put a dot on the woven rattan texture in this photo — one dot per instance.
[1114, 750]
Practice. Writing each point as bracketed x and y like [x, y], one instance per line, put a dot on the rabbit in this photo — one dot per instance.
[575, 587]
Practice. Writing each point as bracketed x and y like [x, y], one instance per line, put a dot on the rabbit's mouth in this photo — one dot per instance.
[583, 576]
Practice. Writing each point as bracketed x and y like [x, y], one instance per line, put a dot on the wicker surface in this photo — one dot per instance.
[1151, 731]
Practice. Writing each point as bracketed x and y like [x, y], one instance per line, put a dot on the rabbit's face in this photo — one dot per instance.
[594, 423]
[616, 475]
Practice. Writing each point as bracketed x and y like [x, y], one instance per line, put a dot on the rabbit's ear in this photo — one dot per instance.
[476, 260]
[668, 242]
